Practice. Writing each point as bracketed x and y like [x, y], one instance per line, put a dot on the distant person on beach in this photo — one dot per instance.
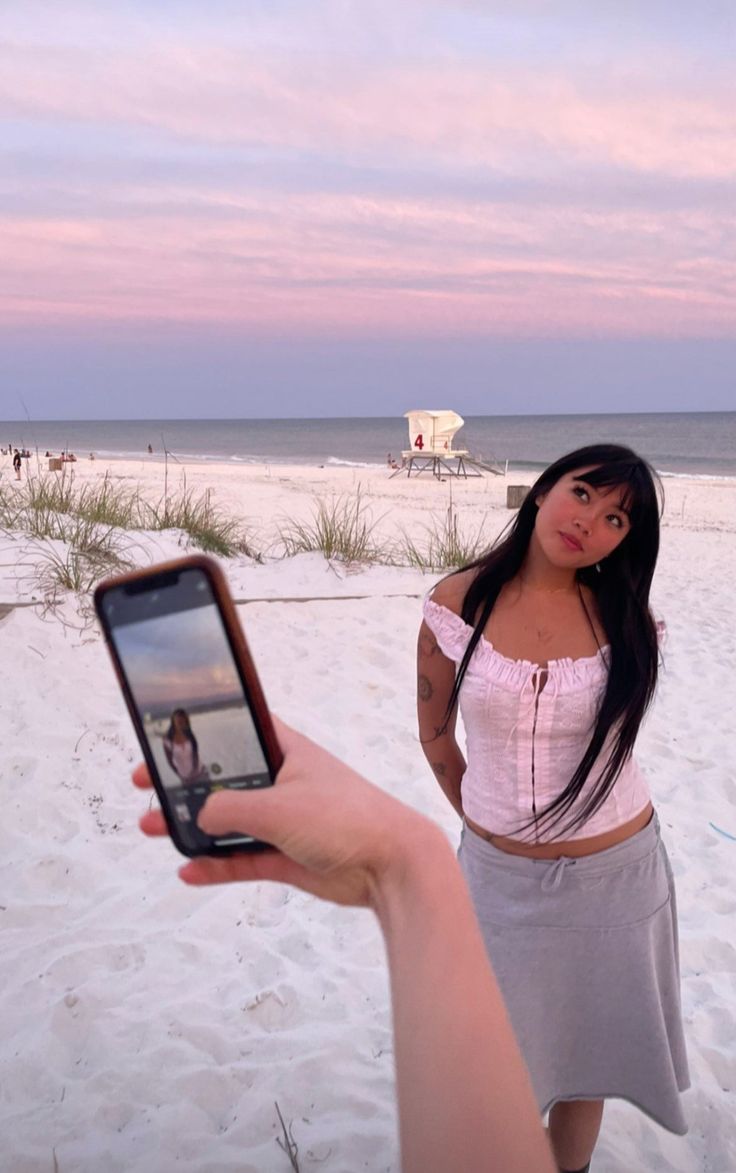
[549, 646]
[150, 449]
[17, 462]
[182, 750]
[464, 1097]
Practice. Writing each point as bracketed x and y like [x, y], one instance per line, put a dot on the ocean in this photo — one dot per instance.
[682, 443]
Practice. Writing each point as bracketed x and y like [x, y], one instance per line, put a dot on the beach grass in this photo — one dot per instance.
[80, 533]
[53, 506]
[342, 528]
[446, 545]
[209, 528]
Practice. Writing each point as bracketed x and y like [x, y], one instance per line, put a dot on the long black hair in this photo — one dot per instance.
[620, 583]
[187, 732]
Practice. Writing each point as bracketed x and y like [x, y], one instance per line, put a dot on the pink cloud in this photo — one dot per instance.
[455, 113]
[290, 265]
[362, 260]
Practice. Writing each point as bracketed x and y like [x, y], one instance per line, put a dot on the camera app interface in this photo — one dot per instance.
[182, 674]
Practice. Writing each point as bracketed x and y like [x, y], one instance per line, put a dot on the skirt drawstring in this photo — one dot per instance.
[553, 877]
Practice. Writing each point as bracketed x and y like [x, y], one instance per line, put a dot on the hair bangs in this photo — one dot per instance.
[634, 479]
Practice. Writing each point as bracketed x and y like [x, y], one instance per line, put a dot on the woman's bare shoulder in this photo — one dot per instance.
[451, 591]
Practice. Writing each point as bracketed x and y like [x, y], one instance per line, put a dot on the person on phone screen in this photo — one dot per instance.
[550, 648]
[464, 1097]
[182, 750]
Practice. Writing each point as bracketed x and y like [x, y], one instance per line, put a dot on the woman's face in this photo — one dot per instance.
[180, 723]
[578, 525]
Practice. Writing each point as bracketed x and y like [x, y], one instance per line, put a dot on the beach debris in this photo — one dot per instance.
[287, 1143]
[262, 997]
[516, 495]
[725, 834]
[83, 734]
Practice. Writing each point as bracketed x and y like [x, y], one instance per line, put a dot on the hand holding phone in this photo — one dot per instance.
[338, 836]
[192, 692]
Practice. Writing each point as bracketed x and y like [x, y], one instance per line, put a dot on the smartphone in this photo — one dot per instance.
[192, 692]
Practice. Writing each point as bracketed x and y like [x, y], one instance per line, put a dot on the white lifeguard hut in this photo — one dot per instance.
[431, 434]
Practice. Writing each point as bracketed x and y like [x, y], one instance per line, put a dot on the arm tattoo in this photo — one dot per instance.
[427, 644]
[424, 688]
[439, 768]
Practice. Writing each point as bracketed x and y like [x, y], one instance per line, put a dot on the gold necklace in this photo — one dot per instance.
[548, 590]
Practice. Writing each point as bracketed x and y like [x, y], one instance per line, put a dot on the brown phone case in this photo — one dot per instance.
[243, 659]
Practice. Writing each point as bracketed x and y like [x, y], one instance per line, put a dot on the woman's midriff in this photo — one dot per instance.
[568, 847]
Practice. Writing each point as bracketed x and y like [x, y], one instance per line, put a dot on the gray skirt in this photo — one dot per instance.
[586, 955]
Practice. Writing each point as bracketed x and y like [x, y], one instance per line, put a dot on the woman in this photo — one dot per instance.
[182, 750]
[549, 645]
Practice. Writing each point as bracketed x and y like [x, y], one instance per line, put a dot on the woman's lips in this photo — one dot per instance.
[571, 543]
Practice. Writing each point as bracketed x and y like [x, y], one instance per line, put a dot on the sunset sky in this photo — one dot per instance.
[178, 659]
[324, 207]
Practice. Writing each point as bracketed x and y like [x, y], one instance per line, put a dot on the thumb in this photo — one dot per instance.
[252, 812]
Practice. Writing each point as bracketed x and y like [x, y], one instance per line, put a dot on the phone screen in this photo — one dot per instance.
[173, 650]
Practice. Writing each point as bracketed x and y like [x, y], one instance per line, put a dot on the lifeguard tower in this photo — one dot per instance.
[431, 434]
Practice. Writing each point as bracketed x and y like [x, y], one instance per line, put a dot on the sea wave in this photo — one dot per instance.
[696, 476]
[192, 457]
[339, 462]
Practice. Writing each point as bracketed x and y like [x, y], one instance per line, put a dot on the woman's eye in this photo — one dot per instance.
[614, 517]
[579, 491]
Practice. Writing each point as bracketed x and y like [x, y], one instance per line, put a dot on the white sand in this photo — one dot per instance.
[152, 1027]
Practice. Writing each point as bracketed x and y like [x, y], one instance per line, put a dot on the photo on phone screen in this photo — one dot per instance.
[173, 650]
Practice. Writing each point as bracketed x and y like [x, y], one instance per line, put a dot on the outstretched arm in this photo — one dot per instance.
[465, 1101]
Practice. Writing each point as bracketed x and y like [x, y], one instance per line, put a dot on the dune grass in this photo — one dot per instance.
[94, 521]
[446, 545]
[208, 527]
[342, 528]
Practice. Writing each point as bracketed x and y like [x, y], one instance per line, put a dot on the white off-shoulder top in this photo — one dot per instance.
[524, 742]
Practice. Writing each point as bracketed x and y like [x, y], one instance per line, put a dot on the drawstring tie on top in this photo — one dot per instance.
[530, 692]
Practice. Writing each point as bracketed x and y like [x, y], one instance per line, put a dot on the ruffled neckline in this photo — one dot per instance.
[563, 662]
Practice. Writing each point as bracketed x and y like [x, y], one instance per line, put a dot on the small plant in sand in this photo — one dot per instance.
[209, 528]
[445, 546]
[78, 568]
[342, 528]
[110, 504]
[41, 505]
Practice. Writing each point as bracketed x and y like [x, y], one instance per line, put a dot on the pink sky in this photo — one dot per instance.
[450, 169]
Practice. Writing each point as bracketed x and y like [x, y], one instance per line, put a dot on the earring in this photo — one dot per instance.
[598, 567]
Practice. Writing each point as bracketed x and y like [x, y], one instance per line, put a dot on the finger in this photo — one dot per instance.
[255, 812]
[261, 865]
[141, 777]
[287, 737]
[153, 823]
